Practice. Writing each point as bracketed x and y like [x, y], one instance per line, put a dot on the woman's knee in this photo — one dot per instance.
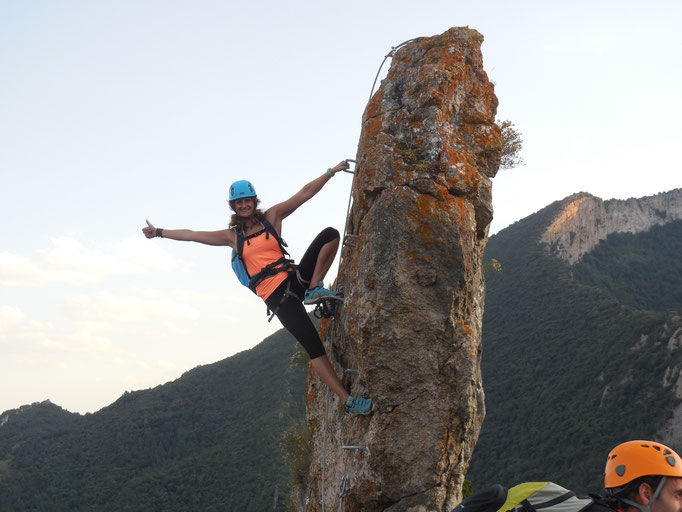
[330, 234]
[314, 348]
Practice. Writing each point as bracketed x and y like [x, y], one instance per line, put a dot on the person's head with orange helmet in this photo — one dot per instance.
[645, 475]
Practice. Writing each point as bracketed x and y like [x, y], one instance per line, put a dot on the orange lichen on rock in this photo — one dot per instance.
[373, 126]
[411, 320]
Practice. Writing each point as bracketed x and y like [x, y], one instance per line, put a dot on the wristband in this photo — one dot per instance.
[329, 171]
[159, 232]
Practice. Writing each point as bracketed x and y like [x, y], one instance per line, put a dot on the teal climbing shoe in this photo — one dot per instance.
[358, 406]
[319, 293]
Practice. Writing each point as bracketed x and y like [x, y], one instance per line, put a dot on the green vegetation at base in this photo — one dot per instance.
[467, 489]
[297, 445]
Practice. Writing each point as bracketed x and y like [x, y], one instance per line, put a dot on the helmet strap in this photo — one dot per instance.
[647, 507]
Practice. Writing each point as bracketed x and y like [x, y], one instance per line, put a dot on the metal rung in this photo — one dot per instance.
[351, 371]
[348, 170]
[348, 243]
[355, 448]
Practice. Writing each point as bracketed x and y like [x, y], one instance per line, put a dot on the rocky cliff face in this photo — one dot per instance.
[586, 220]
[411, 322]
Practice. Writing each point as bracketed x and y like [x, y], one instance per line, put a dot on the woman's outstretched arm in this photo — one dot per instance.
[282, 210]
[220, 237]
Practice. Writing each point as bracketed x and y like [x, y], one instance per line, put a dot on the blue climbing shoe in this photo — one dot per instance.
[358, 406]
[320, 293]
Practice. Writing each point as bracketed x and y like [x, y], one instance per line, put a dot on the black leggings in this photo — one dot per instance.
[291, 311]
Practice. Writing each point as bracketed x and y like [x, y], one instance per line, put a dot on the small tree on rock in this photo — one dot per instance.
[513, 143]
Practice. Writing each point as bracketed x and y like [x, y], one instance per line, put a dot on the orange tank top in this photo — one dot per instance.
[258, 252]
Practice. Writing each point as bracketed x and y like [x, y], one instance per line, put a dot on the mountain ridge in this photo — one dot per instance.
[585, 220]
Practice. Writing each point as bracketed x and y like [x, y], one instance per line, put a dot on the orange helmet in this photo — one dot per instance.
[635, 459]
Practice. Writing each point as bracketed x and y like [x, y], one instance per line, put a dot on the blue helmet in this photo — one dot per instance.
[241, 188]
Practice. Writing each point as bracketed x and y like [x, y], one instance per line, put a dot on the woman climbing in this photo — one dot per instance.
[271, 277]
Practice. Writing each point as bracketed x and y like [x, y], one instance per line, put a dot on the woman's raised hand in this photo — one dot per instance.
[149, 231]
[343, 165]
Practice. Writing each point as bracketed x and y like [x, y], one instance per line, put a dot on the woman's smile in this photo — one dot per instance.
[244, 207]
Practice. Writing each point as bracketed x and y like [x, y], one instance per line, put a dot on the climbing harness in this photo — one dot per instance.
[271, 269]
[283, 264]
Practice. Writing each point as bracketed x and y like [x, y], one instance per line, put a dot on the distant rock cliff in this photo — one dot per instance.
[570, 369]
[411, 323]
[586, 220]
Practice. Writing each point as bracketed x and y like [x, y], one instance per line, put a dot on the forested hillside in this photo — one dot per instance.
[209, 441]
[643, 271]
[575, 358]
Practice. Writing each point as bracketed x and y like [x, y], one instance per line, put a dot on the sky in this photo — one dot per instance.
[113, 112]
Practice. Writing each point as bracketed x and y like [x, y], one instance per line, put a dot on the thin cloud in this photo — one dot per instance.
[28, 338]
[10, 317]
[71, 261]
[194, 296]
[144, 255]
[106, 306]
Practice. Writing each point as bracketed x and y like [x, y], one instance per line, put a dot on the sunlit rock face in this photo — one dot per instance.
[585, 220]
[411, 321]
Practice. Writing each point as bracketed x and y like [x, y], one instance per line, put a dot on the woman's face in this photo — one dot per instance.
[244, 206]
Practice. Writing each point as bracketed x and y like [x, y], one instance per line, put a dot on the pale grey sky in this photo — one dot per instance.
[113, 112]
